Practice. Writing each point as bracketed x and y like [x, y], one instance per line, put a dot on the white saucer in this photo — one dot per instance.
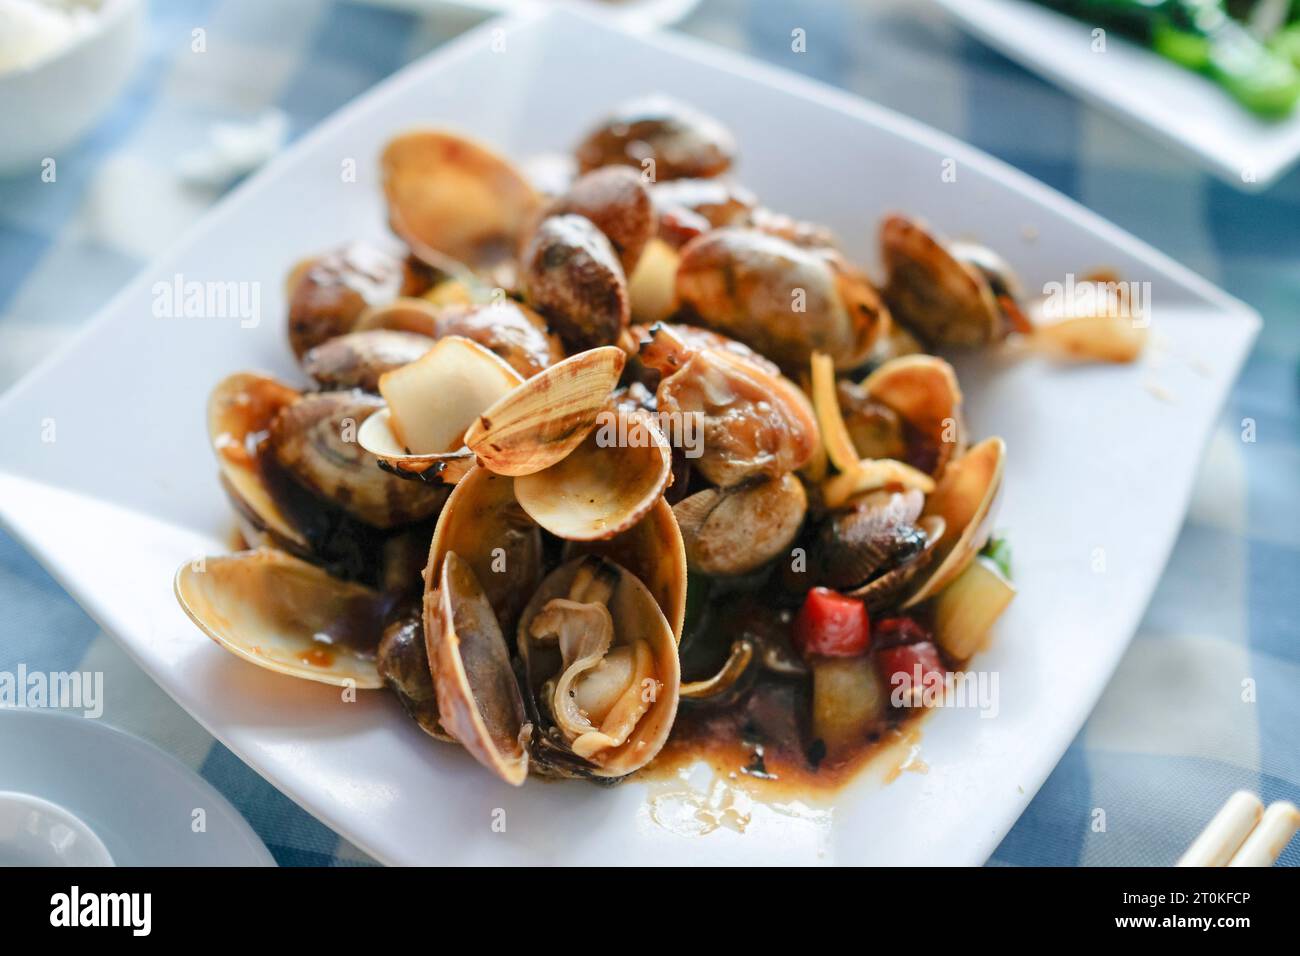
[35, 832]
[122, 801]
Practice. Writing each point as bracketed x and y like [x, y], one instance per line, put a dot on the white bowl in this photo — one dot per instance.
[35, 832]
[49, 104]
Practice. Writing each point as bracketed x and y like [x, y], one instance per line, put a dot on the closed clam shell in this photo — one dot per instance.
[327, 294]
[545, 418]
[510, 329]
[965, 499]
[315, 440]
[240, 411]
[357, 359]
[946, 301]
[484, 524]
[479, 703]
[876, 531]
[783, 300]
[450, 197]
[664, 137]
[606, 484]
[886, 590]
[636, 618]
[571, 274]
[730, 531]
[617, 201]
[286, 615]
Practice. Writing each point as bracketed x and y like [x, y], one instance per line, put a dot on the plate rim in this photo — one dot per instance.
[1220, 160]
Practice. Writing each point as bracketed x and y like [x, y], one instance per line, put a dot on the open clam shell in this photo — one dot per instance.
[286, 615]
[923, 390]
[964, 499]
[606, 484]
[479, 703]
[240, 412]
[431, 403]
[484, 524]
[601, 668]
[450, 197]
[653, 550]
[544, 419]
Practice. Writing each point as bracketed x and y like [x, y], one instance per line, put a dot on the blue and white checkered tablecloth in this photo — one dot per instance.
[1171, 738]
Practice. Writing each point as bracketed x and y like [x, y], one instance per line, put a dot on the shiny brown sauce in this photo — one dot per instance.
[762, 734]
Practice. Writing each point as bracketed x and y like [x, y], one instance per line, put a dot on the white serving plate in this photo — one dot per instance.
[128, 490]
[1185, 110]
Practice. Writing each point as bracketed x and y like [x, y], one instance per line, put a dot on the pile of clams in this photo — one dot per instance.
[524, 424]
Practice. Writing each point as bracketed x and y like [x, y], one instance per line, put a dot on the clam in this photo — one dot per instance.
[923, 391]
[753, 422]
[571, 274]
[600, 670]
[874, 549]
[956, 295]
[511, 330]
[315, 441]
[731, 531]
[327, 294]
[781, 299]
[616, 201]
[357, 359]
[479, 703]
[541, 421]
[664, 138]
[606, 484]
[431, 403]
[484, 524]
[909, 407]
[403, 663]
[587, 467]
[964, 499]
[653, 550]
[240, 411]
[286, 615]
[450, 198]
[484, 565]
[691, 207]
[274, 508]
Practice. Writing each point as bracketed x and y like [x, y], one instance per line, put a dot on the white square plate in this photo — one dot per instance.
[1185, 110]
[127, 489]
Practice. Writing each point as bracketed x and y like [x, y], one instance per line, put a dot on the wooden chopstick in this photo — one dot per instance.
[1269, 838]
[1243, 833]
